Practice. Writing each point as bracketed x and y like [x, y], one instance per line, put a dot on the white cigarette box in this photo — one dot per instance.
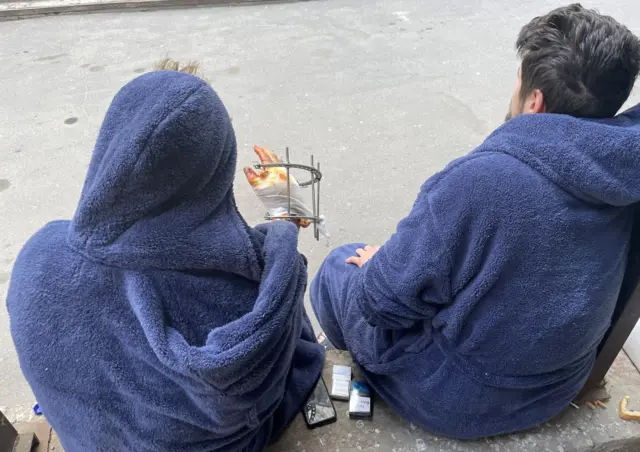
[340, 386]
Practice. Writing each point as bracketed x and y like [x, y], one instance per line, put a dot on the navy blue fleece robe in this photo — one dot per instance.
[157, 320]
[482, 314]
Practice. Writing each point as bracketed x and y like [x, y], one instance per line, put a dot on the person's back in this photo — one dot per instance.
[157, 320]
[483, 313]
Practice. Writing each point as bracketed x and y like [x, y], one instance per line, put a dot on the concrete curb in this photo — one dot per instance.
[34, 8]
[575, 430]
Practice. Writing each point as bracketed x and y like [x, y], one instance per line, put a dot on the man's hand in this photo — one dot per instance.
[363, 255]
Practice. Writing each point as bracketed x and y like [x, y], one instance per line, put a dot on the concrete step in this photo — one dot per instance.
[581, 430]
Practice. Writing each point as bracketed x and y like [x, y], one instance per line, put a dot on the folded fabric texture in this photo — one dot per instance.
[157, 320]
[482, 314]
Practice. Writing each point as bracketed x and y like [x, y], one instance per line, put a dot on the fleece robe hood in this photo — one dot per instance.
[597, 161]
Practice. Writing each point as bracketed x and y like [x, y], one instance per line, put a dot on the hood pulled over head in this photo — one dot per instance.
[158, 191]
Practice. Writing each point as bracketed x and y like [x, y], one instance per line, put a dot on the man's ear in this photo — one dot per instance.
[534, 102]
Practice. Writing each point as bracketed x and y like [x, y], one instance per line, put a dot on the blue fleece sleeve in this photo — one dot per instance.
[435, 249]
[407, 280]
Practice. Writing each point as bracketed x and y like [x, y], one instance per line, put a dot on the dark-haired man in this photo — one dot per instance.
[482, 314]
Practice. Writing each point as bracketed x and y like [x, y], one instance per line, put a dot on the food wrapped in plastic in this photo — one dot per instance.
[270, 185]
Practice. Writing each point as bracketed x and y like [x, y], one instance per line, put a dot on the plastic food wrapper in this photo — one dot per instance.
[270, 185]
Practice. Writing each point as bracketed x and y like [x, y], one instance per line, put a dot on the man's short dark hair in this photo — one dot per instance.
[584, 63]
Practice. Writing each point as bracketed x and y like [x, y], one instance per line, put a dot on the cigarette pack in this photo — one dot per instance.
[341, 382]
[361, 401]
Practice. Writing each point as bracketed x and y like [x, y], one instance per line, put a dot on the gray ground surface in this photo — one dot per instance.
[384, 93]
[582, 430]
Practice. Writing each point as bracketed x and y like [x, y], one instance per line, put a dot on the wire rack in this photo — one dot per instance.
[314, 182]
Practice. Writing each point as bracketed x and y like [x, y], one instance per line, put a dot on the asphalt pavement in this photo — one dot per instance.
[383, 93]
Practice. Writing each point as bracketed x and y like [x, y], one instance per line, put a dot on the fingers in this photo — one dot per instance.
[358, 260]
[252, 177]
[274, 156]
[301, 222]
[363, 255]
[265, 155]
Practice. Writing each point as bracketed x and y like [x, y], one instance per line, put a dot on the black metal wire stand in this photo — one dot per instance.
[313, 182]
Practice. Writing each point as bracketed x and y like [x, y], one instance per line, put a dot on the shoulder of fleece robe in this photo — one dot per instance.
[45, 243]
[484, 181]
